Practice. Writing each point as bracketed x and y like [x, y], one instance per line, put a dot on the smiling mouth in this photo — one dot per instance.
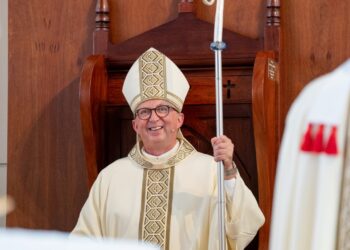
[155, 128]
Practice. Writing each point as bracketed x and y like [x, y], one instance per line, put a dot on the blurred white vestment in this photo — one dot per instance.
[310, 166]
[20, 239]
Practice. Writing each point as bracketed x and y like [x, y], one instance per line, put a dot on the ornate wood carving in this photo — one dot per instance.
[102, 15]
[271, 69]
[272, 28]
[101, 32]
[273, 13]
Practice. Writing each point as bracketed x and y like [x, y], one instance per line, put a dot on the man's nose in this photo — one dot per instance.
[154, 115]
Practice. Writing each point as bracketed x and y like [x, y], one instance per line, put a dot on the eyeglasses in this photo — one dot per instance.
[161, 111]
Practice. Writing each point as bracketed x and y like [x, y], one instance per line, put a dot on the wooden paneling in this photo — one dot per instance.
[244, 17]
[186, 40]
[48, 41]
[315, 39]
[130, 18]
[236, 87]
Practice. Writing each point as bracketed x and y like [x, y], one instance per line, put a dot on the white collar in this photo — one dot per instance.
[161, 157]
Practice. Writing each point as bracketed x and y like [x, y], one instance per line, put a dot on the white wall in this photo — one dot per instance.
[3, 97]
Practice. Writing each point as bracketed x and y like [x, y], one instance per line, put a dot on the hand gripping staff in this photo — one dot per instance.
[217, 46]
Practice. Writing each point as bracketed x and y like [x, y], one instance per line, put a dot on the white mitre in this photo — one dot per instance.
[155, 76]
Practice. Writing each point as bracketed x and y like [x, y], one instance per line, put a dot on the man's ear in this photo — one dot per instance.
[134, 125]
[180, 119]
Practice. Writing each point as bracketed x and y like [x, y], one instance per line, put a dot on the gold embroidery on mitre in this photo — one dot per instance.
[152, 75]
[156, 205]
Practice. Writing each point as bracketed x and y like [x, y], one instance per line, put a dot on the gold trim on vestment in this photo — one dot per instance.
[184, 150]
[142, 204]
[157, 192]
[156, 206]
[170, 206]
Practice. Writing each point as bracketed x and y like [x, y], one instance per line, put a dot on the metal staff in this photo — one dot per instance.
[218, 45]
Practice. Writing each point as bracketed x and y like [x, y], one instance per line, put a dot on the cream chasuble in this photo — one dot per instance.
[310, 166]
[170, 201]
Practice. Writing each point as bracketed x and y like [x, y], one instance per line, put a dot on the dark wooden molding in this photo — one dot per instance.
[265, 106]
[93, 95]
[265, 121]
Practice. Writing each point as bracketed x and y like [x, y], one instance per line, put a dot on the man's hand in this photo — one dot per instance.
[223, 151]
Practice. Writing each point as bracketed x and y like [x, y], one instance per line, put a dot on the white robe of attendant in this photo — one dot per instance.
[308, 184]
[118, 199]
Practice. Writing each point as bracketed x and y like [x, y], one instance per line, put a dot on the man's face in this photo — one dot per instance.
[158, 133]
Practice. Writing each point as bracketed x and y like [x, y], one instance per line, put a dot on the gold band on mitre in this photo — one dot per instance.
[155, 76]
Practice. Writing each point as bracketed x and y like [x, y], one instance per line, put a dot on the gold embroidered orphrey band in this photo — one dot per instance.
[152, 75]
[157, 190]
[185, 149]
[157, 194]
